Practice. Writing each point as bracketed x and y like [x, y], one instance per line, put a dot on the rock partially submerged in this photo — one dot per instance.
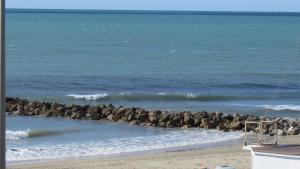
[139, 116]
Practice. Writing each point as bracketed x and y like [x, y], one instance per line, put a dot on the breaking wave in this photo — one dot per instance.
[88, 97]
[281, 107]
[16, 135]
[159, 97]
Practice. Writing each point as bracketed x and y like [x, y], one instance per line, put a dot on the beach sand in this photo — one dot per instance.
[232, 155]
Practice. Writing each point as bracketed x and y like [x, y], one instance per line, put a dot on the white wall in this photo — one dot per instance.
[274, 161]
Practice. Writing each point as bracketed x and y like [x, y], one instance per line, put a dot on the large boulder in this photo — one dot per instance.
[142, 116]
[228, 117]
[110, 117]
[120, 112]
[165, 116]
[48, 113]
[174, 120]
[154, 116]
[68, 113]
[35, 112]
[33, 105]
[134, 122]
[208, 124]
[188, 119]
[77, 115]
[294, 130]
[236, 125]
[131, 115]
[162, 124]
[197, 121]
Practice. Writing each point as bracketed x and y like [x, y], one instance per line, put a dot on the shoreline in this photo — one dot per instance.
[149, 118]
[161, 160]
[232, 155]
[178, 149]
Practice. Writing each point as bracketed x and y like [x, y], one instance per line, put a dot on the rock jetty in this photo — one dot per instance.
[157, 118]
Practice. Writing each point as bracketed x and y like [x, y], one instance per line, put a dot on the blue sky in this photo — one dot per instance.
[194, 5]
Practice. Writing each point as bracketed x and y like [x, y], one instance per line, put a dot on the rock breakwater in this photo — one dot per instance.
[140, 116]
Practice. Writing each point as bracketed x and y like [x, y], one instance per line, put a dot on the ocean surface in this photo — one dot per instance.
[245, 63]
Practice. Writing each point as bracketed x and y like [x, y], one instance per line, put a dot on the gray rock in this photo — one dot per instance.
[280, 132]
[68, 113]
[162, 124]
[139, 116]
[294, 130]
[134, 122]
[236, 125]
[154, 117]
[110, 117]
[188, 119]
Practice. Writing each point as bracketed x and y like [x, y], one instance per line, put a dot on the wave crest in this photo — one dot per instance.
[88, 97]
[158, 97]
[282, 107]
[16, 135]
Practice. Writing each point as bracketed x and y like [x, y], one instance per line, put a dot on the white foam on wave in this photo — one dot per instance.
[188, 95]
[16, 135]
[123, 95]
[191, 95]
[281, 107]
[119, 145]
[88, 97]
[274, 107]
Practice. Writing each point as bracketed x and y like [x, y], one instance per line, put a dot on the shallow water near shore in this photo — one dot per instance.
[36, 138]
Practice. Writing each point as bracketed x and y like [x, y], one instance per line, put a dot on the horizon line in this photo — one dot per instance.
[120, 11]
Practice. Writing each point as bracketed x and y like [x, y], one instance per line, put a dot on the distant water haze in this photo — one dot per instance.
[187, 5]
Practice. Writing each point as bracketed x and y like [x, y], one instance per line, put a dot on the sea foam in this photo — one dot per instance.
[282, 107]
[157, 96]
[114, 146]
[16, 135]
[88, 97]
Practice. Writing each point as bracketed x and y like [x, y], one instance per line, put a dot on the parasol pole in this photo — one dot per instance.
[2, 85]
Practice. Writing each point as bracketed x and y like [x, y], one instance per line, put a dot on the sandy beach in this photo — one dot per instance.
[232, 155]
[210, 157]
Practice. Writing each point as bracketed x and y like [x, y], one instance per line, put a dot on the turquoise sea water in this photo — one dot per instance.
[231, 63]
[179, 61]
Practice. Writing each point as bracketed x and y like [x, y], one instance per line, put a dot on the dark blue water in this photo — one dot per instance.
[231, 63]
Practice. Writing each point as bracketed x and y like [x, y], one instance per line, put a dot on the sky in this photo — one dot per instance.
[185, 5]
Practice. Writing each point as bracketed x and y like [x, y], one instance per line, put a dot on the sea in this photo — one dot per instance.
[245, 63]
